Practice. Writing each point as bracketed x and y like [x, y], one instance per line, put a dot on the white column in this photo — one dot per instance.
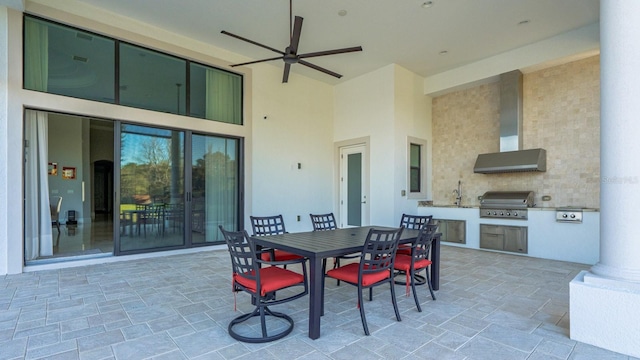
[604, 302]
[620, 140]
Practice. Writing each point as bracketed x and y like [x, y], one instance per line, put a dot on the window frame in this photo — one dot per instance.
[117, 43]
[422, 193]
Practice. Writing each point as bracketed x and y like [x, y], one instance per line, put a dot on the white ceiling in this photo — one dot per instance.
[390, 31]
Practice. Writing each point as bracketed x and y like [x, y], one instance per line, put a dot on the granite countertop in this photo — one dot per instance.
[537, 208]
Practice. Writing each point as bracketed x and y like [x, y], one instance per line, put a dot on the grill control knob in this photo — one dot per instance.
[573, 216]
[564, 216]
[515, 214]
[488, 212]
[501, 213]
[508, 214]
[495, 213]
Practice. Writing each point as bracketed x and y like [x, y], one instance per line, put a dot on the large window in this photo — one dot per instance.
[152, 80]
[67, 61]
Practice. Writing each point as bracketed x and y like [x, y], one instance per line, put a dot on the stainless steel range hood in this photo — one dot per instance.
[511, 157]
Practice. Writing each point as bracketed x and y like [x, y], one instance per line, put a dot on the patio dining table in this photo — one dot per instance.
[320, 245]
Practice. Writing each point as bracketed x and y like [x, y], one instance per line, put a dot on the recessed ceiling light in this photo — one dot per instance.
[427, 4]
[342, 12]
[443, 52]
[523, 22]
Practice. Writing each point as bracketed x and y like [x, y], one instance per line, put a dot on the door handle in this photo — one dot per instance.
[364, 202]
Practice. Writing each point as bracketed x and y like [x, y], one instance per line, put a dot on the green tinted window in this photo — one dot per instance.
[66, 61]
[152, 80]
[215, 94]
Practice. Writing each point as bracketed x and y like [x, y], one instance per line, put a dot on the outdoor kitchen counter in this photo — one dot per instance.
[547, 238]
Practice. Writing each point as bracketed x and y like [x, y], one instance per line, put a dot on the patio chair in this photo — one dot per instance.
[271, 225]
[413, 222]
[417, 261]
[374, 268]
[323, 222]
[261, 279]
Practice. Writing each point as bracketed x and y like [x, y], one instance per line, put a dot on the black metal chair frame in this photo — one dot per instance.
[420, 250]
[324, 222]
[247, 265]
[268, 225]
[415, 222]
[378, 255]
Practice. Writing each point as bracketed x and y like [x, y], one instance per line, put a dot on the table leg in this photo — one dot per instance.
[435, 267]
[315, 296]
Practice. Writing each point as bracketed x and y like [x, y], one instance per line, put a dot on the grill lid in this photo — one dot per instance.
[507, 199]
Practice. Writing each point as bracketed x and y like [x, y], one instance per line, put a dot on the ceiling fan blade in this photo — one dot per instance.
[316, 67]
[257, 61]
[252, 42]
[330, 52]
[295, 36]
[285, 75]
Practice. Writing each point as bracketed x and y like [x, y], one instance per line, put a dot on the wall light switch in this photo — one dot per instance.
[298, 217]
[299, 166]
[403, 193]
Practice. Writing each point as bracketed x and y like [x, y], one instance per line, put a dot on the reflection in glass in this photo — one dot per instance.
[152, 80]
[214, 187]
[151, 188]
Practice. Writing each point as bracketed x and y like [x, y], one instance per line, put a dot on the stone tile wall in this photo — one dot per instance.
[561, 114]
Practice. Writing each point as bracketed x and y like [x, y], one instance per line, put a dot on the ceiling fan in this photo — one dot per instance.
[290, 55]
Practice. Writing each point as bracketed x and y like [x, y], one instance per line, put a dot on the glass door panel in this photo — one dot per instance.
[151, 188]
[215, 187]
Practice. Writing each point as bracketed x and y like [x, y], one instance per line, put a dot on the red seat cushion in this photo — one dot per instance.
[404, 250]
[403, 263]
[272, 278]
[281, 255]
[349, 273]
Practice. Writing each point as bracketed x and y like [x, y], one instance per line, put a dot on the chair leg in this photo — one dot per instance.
[415, 293]
[362, 316]
[429, 283]
[336, 264]
[393, 299]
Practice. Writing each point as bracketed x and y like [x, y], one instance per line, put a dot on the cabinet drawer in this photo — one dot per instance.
[452, 230]
[491, 241]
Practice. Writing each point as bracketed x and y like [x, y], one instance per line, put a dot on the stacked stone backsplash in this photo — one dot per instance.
[561, 113]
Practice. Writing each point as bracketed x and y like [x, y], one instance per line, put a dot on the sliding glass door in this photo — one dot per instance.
[214, 182]
[151, 188]
[99, 187]
[176, 188]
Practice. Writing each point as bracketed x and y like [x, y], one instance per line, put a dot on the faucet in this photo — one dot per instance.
[458, 193]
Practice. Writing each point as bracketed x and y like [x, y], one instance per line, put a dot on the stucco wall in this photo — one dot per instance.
[561, 114]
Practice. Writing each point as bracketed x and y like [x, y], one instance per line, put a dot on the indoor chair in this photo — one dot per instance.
[55, 204]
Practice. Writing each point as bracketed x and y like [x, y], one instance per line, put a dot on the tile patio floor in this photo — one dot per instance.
[489, 306]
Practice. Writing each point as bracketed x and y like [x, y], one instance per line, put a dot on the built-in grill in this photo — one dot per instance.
[506, 204]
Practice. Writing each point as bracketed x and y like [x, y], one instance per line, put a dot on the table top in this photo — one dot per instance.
[326, 243]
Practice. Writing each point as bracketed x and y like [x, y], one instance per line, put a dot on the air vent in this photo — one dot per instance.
[84, 36]
[80, 58]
